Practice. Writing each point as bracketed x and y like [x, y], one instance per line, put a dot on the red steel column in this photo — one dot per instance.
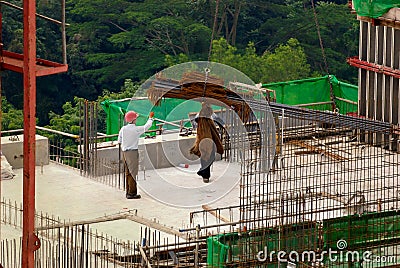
[30, 242]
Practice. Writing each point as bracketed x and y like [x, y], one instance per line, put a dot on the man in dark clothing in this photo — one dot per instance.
[207, 142]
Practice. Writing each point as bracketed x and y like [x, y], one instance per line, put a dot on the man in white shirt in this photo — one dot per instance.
[128, 137]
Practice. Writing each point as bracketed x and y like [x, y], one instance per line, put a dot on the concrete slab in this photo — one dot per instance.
[182, 187]
[62, 192]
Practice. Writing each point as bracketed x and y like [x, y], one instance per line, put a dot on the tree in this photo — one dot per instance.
[111, 41]
[338, 28]
[69, 120]
[11, 118]
[287, 62]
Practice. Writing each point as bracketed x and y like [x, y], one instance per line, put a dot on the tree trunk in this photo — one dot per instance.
[238, 6]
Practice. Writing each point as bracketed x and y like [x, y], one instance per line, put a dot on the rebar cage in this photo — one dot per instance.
[332, 188]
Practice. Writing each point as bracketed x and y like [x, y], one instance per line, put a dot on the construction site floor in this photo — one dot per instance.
[61, 192]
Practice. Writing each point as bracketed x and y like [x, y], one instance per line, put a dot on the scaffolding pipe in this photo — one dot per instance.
[63, 33]
[313, 104]
[58, 132]
[1, 106]
[347, 101]
[171, 123]
[37, 15]
[146, 261]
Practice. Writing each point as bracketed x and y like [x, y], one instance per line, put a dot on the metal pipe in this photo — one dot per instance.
[170, 123]
[144, 257]
[348, 101]
[313, 104]
[38, 15]
[196, 253]
[63, 33]
[12, 131]
[1, 106]
[58, 132]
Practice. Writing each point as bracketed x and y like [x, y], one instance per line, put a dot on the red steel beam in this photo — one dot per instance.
[31, 67]
[377, 68]
[30, 242]
[15, 62]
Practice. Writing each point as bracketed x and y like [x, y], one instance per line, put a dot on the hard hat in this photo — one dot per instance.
[130, 116]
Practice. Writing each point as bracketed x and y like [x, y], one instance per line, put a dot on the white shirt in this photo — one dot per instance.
[129, 135]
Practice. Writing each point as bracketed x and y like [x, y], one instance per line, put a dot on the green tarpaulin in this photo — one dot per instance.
[374, 8]
[317, 90]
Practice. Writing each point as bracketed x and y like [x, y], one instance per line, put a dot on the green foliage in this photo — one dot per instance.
[338, 28]
[11, 118]
[224, 53]
[173, 60]
[69, 121]
[128, 90]
[287, 62]
[111, 41]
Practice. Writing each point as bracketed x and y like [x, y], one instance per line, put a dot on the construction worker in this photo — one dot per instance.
[128, 137]
[207, 141]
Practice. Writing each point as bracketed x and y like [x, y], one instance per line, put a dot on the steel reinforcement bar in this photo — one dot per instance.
[173, 89]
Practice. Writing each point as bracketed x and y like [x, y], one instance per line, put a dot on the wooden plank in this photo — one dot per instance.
[317, 149]
[155, 225]
[144, 256]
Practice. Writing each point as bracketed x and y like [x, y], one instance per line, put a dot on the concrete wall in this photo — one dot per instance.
[12, 149]
[164, 151]
[169, 151]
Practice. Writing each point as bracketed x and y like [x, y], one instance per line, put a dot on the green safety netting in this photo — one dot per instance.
[317, 90]
[304, 91]
[376, 232]
[374, 8]
[169, 110]
[360, 231]
[225, 249]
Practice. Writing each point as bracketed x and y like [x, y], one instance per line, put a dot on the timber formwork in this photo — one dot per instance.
[379, 69]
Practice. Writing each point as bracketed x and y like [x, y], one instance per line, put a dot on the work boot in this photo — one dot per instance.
[133, 196]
